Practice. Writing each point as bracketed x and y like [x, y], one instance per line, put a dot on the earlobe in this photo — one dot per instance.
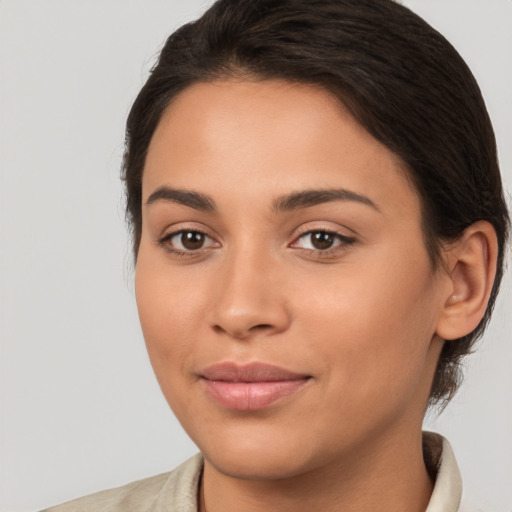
[471, 271]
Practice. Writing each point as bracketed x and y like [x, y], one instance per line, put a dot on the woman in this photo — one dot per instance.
[319, 231]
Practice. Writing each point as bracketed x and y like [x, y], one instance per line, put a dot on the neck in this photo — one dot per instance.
[390, 478]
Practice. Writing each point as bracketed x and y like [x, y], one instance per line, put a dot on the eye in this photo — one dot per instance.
[322, 240]
[187, 241]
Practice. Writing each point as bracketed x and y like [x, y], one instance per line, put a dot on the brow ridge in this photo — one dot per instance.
[308, 198]
[188, 198]
[289, 202]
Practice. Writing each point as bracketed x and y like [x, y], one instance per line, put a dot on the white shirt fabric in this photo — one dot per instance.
[177, 491]
[448, 486]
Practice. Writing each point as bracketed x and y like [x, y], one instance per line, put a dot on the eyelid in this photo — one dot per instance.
[344, 241]
[327, 227]
[340, 236]
[171, 232]
[178, 227]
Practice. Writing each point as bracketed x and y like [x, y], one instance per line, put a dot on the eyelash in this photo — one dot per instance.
[344, 243]
[164, 242]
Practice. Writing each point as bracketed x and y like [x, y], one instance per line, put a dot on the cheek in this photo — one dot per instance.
[372, 328]
[169, 312]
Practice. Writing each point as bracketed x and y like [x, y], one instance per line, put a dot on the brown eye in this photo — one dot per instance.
[192, 240]
[187, 241]
[322, 240]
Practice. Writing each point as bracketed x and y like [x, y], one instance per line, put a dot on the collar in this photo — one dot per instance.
[447, 491]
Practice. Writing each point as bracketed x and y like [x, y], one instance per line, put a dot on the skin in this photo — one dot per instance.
[362, 319]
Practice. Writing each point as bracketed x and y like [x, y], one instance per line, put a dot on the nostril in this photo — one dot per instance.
[245, 316]
[218, 329]
[242, 333]
[260, 327]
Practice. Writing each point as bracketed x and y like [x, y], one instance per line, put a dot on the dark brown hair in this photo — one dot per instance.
[400, 78]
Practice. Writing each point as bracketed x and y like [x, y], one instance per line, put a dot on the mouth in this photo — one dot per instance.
[250, 387]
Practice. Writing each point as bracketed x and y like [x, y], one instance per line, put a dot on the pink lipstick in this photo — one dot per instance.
[249, 387]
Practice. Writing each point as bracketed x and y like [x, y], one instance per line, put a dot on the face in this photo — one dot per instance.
[284, 290]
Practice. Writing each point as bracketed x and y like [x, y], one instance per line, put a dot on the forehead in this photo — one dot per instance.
[262, 138]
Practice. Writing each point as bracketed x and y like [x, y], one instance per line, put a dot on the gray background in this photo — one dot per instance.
[80, 408]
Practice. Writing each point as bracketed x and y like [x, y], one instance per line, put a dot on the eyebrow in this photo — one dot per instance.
[286, 203]
[185, 197]
[308, 198]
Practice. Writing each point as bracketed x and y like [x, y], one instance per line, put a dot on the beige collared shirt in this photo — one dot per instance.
[177, 491]
[448, 486]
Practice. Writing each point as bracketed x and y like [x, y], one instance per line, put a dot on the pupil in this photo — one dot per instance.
[322, 240]
[192, 239]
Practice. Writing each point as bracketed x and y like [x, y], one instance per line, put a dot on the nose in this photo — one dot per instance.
[250, 298]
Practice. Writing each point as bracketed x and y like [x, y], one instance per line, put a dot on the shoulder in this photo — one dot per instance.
[176, 490]
[134, 496]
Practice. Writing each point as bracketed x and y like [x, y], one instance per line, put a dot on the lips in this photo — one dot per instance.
[249, 387]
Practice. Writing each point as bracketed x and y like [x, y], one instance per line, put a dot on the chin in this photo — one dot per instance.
[257, 464]
[259, 452]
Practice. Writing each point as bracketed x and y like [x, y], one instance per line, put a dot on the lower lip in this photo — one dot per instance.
[251, 396]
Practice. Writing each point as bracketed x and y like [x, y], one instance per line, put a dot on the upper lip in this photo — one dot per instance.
[252, 372]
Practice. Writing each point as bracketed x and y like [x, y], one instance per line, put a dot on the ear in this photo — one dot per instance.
[471, 265]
